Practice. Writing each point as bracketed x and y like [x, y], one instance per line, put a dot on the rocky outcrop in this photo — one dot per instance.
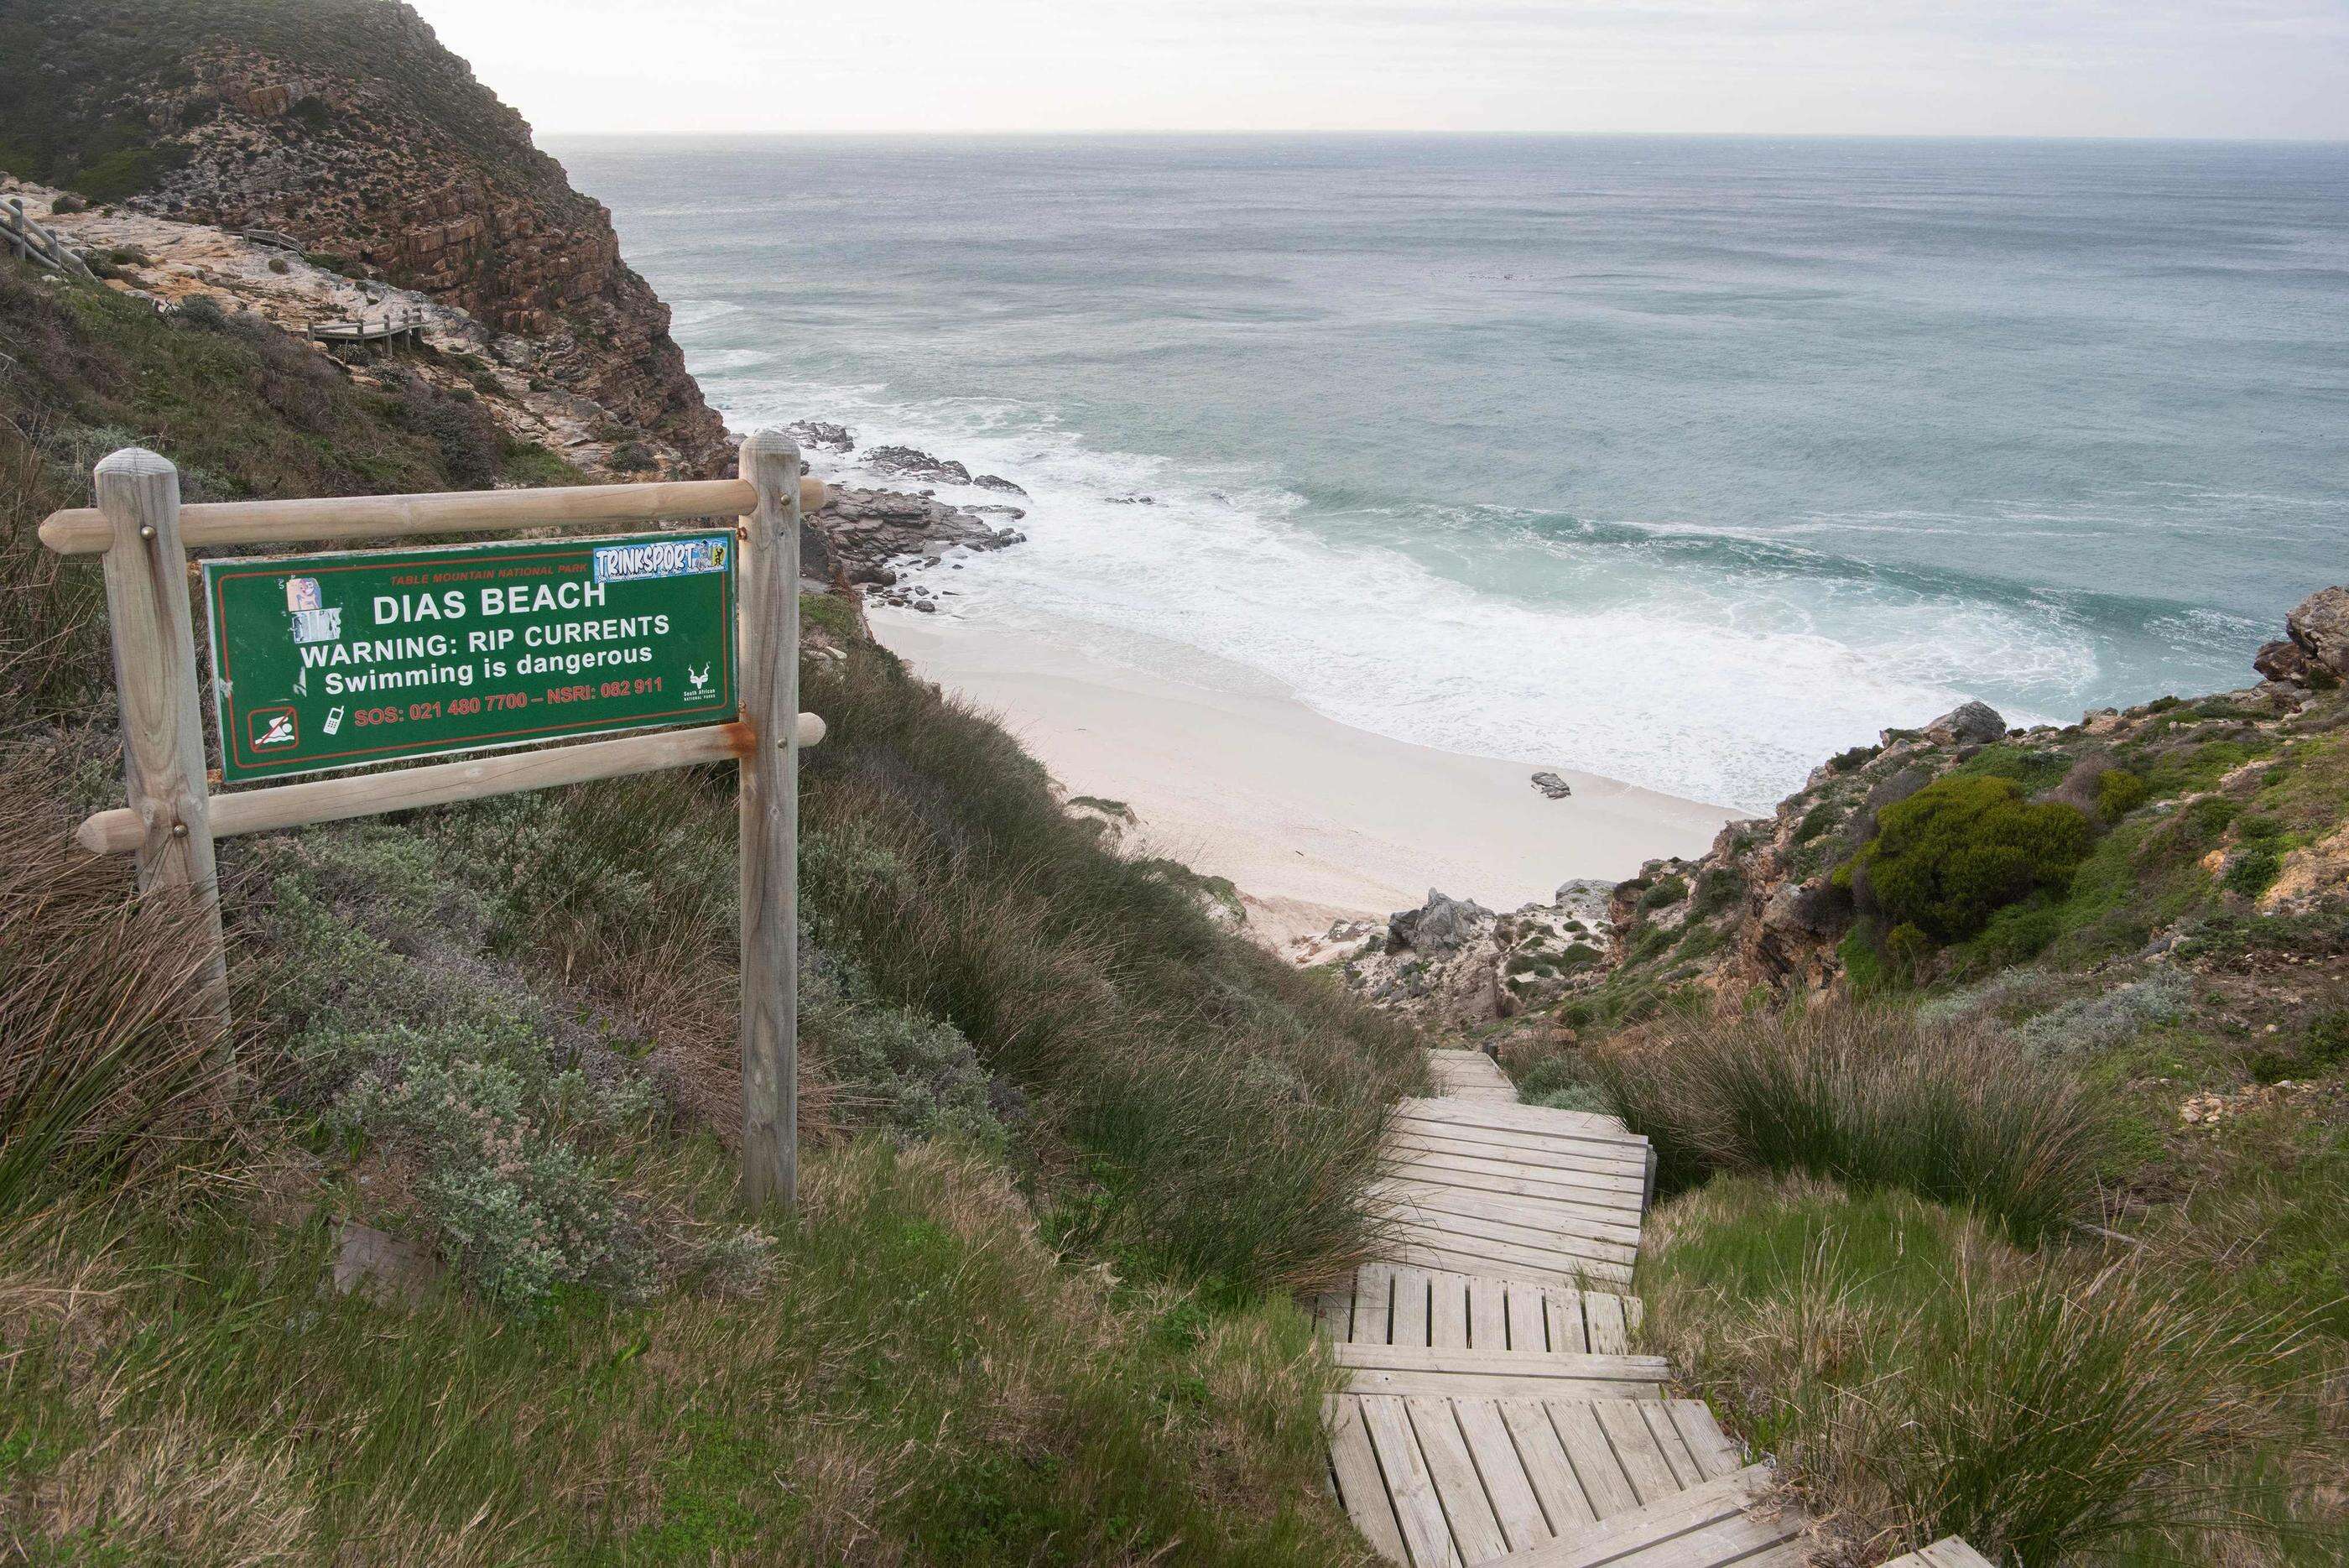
[819, 435]
[1764, 908]
[872, 538]
[2314, 650]
[1452, 961]
[359, 135]
[906, 462]
[1969, 723]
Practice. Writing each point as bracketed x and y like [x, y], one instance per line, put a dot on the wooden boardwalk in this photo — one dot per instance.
[394, 326]
[1497, 1408]
[1947, 1552]
[28, 238]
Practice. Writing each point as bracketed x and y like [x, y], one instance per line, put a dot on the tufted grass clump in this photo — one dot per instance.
[1917, 1377]
[106, 1058]
[1867, 1095]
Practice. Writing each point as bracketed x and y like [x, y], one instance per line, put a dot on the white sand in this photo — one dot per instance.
[1311, 818]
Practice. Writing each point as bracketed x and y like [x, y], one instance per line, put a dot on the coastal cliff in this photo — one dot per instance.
[2182, 853]
[344, 125]
[484, 1077]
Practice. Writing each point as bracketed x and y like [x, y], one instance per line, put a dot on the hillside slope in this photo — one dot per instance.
[346, 124]
[450, 1270]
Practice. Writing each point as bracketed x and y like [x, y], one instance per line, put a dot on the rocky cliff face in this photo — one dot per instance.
[2203, 819]
[2232, 805]
[352, 130]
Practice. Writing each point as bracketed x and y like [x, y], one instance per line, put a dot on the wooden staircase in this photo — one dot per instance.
[1496, 1410]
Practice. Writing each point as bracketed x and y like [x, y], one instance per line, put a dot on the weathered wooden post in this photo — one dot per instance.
[770, 577]
[156, 684]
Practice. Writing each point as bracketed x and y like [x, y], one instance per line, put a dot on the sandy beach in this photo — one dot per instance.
[1311, 820]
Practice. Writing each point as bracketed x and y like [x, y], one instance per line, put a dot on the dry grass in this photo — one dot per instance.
[1227, 1108]
[1919, 1376]
[921, 1381]
[1868, 1095]
[102, 1057]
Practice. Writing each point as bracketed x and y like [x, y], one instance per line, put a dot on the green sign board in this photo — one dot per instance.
[337, 660]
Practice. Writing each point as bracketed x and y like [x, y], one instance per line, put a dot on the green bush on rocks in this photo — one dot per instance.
[1955, 853]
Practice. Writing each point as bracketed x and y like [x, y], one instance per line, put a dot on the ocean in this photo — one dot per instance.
[1683, 460]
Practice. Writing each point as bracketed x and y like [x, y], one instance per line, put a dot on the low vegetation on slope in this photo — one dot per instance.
[1917, 1377]
[2003, 1081]
[1066, 1144]
[1871, 1096]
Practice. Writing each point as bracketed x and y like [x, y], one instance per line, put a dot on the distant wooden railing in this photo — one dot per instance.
[31, 240]
[389, 327]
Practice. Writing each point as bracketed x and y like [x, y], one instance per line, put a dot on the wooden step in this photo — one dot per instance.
[1506, 1178]
[1720, 1522]
[1464, 1117]
[1462, 1481]
[1466, 1255]
[1525, 1148]
[1494, 1374]
[1389, 1303]
[1469, 1075]
[1538, 1119]
[1950, 1552]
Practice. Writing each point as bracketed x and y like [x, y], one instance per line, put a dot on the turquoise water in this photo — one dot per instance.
[1683, 460]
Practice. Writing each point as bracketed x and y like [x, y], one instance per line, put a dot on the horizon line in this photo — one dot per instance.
[2151, 138]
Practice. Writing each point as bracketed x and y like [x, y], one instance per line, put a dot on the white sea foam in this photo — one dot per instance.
[1728, 688]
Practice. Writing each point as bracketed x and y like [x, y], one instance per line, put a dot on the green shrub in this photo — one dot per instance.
[1909, 950]
[2015, 934]
[1868, 1095]
[127, 171]
[2120, 792]
[2321, 1046]
[2102, 1019]
[1558, 1082]
[1664, 894]
[2195, 767]
[1717, 890]
[1960, 849]
[2190, 832]
[2033, 769]
[836, 619]
[1651, 944]
[2254, 870]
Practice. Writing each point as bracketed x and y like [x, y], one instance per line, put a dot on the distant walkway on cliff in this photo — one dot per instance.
[28, 238]
[394, 326]
[1496, 1410]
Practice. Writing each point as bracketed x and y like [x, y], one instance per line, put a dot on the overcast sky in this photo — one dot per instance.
[2061, 67]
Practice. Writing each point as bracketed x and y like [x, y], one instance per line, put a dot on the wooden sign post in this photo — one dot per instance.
[771, 823]
[155, 686]
[170, 820]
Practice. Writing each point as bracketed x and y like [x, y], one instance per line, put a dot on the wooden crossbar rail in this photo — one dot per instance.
[85, 531]
[121, 830]
[142, 533]
[36, 241]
